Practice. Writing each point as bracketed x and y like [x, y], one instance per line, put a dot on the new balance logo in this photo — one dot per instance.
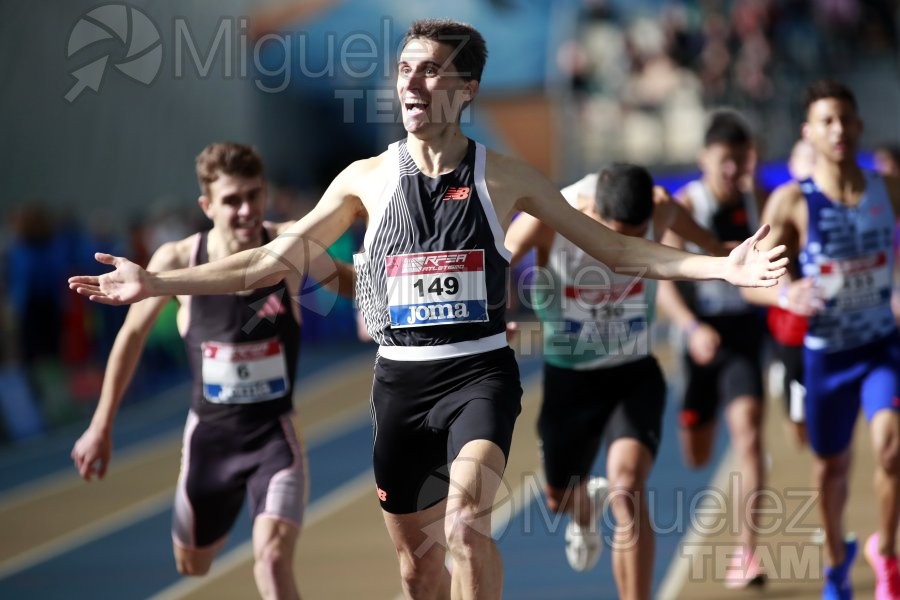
[456, 193]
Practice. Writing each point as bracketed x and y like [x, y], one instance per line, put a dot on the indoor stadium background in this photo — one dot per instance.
[103, 109]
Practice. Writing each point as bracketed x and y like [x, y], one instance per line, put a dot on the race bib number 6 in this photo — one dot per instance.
[436, 288]
[243, 373]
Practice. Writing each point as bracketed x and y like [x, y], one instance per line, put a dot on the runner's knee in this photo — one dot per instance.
[463, 538]
[624, 484]
[830, 469]
[272, 557]
[888, 455]
[421, 572]
[747, 441]
[191, 565]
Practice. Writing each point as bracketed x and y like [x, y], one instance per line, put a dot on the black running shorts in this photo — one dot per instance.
[581, 408]
[424, 412]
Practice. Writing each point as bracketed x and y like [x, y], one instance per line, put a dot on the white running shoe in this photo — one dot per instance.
[583, 544]
[597, 490]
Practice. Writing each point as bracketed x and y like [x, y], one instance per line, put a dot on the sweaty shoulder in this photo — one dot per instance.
[661, 195]
[683, 197]
[514, 184]
[173, 255]
[368, 168]
[505, 170]
[785, 199]
[786, 213]
[365, 178]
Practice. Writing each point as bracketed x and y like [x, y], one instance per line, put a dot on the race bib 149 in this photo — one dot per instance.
[436, 288]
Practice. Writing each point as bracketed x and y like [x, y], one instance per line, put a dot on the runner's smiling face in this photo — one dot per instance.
[236, 206]
[431, 92]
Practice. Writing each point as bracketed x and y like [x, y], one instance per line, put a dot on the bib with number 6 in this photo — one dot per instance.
[243, 373]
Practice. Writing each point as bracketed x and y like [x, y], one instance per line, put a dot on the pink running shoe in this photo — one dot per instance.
[744, 571]
[887, 575]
